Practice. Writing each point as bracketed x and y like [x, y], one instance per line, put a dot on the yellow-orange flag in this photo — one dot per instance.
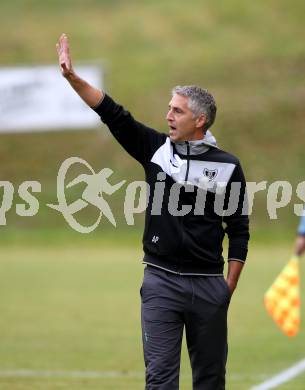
[282, 300]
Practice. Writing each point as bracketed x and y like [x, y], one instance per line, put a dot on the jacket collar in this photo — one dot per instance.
[198, 146]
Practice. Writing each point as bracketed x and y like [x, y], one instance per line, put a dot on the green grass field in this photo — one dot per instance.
[74, 308]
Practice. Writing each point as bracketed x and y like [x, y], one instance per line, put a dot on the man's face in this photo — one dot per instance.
[182, 124]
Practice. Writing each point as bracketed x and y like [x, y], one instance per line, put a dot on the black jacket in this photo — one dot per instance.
[183, 228]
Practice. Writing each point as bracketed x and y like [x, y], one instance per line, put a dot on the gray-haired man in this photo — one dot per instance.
[183, 286]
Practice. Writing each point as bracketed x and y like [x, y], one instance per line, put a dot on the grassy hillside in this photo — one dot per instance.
[249, 54]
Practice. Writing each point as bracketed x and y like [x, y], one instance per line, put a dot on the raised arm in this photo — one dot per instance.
[138, 140]
[90, 95]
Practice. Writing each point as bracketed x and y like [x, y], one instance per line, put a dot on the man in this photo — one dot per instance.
[183, 284]
[300, 240]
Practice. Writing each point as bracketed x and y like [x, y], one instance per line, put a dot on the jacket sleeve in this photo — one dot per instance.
[237, 224]
[137, 139]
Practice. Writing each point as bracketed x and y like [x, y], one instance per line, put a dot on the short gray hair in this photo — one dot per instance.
[200, 102]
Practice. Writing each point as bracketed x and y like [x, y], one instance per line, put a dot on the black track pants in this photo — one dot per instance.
[171, 302]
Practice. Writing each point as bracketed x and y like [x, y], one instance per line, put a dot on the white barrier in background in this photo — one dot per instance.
[38, 98]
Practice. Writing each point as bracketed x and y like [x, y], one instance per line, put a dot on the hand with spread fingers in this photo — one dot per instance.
[64, 58]
[91, 95]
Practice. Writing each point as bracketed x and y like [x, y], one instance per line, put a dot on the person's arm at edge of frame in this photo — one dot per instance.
[91, 96]
[299, 247]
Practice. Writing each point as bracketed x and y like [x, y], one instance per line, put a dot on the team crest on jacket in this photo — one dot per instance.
[210, 173]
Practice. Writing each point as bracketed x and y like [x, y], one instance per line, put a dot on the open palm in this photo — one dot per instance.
[64, 56]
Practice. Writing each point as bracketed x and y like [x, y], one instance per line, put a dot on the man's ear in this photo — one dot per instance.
[201, 120]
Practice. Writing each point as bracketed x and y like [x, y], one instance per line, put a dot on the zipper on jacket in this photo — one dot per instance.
[188, 160]
[185, 179]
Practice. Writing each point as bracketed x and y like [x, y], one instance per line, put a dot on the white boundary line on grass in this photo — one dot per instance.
[282, 377]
